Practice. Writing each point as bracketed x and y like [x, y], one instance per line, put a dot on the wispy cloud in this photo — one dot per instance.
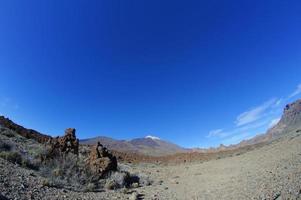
[216, 132]
[256, 113]
[220, 133]
[296, 92]
[274, 122]
[236, 138]
[254, 121]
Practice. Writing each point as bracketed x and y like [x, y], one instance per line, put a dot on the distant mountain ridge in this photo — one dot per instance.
[150, 145]
[154, 146]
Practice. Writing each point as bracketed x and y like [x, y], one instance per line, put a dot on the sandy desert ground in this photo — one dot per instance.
[270, 172]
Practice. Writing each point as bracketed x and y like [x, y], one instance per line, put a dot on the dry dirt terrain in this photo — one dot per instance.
[269, 172]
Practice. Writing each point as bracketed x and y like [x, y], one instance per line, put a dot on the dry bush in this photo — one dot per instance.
[11, 156]
[4, 146]
[8, 133]
[68, 171]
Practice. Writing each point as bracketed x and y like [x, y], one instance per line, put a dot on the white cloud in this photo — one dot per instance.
[216, 132]
[278, 102]
[236, 138]
[274, 122]
[296, 92]
[152, 137]
[248, 123]
[220, 133]
[256, 113]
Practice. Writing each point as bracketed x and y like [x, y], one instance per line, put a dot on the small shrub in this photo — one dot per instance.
[57, 172]
[11, 156]
[26, 163]
[68, 171]
[90, 187]
[52, 183]
[122, 179]
[144, 180]
[46, 182]
[111, 184]
[5, 146]
[7, 133]
[36, 151]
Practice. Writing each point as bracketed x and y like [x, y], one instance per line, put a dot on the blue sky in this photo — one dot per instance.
[196, 73]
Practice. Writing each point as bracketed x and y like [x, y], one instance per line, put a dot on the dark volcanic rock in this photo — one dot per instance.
[28, 133]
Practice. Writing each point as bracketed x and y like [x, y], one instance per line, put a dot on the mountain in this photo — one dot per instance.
[150, 145]
[290, 120]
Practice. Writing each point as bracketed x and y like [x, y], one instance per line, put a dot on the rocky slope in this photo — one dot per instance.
[27, 133]
[291, 120]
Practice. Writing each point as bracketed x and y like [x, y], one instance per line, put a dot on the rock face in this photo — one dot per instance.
[66, 144]
[69, 142]
[101, 161]
[28, 133]
[290, 120]
[292, 113]
[62, 145]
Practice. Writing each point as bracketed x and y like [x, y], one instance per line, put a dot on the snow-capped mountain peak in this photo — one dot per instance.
[152, 137]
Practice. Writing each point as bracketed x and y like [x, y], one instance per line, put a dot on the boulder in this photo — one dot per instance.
[101, 161]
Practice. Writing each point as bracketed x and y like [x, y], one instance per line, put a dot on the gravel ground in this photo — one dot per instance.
[269, 172]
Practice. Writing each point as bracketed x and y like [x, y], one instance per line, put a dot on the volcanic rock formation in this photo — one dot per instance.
[101, 160]
[67, 143]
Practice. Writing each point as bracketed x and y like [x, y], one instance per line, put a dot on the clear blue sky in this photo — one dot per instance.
[197, 73]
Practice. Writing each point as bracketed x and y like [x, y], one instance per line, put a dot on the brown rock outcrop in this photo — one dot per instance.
[101, 161]
[67, 143]
[62, 145]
